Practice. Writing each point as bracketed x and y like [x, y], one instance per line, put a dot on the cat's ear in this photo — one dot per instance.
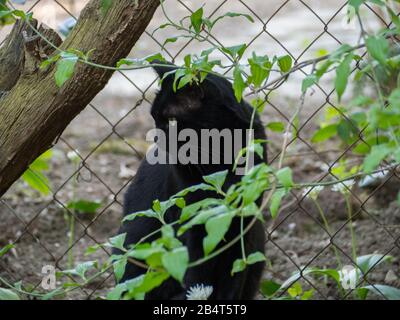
[162, 67]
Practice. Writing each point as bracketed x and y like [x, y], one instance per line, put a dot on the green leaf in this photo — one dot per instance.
[148, 213]
[143, 253]
[255, 257]
[276, 126]
[307, 295]
[118, 290]
[238, 266]
[342, 75]
[295, 290]
[6, 294]
[276, 202]
[390, 293]
[232, 15]
[367, 262]
[48, 296]
[269, 288]
[356, 4]
[81, 269]
[332, 273]
[236, 52]
[217, 179]
[308, 82]
[285, 63]
[378, 48]
[197, 20]
[34, 176]
[285, 177]
[253, 191]
[192, 209]
[49, 61]
[378, 153]
[239, 85]
[118, 241]
[157, 205]
[37, 181]
[216, 229]
[176, 262]
[180, 203]
[362, 293]
[324, 133]
[191, 189]
[364, 147]
[260, 68]
[137, 288]
[92, 249]
[84, 206]
[150, 281]
[5, 249]
[202, 217]
[394, 99]
[168, 238]
[346, 130]
[119, 268]
[65, 68]
[170, 40]
[42, 163]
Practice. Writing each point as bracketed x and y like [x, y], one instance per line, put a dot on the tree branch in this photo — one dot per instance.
[35, 112]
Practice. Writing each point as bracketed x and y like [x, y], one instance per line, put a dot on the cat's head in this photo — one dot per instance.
[208, 105]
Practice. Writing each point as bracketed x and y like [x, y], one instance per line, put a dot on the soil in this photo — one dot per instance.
[109, 137]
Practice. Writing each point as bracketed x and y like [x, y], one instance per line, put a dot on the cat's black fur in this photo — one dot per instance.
[211, 104]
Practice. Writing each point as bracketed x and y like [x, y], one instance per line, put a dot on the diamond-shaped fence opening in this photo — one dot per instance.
[99, 153]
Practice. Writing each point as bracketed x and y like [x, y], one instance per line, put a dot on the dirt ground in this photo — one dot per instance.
[110, 138]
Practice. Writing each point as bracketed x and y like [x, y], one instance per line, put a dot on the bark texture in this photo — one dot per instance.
[33, 110]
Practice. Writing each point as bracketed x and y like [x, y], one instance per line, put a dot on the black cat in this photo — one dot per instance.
[209, 105]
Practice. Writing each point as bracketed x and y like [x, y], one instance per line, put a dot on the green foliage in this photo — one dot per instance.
[9, 16]
[176, 262]
[373, 117]
[387, 292]
[7, 294]
[84, 206]
[365, 265]
[35, 177]
[65, 68]
[285, 63]
[5, 249]
[216, 229]
[81, 269]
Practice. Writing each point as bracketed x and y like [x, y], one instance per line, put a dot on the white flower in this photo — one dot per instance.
[343, 186]
[199, 292]
[313, 192]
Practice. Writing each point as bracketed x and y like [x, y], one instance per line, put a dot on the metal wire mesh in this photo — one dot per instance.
[105, 135]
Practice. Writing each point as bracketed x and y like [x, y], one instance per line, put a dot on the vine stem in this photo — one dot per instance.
[351, 227]
[328, 228]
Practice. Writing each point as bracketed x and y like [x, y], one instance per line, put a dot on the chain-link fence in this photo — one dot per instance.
[97, 156]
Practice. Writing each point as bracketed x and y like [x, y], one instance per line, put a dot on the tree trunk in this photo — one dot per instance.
[35, 112]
